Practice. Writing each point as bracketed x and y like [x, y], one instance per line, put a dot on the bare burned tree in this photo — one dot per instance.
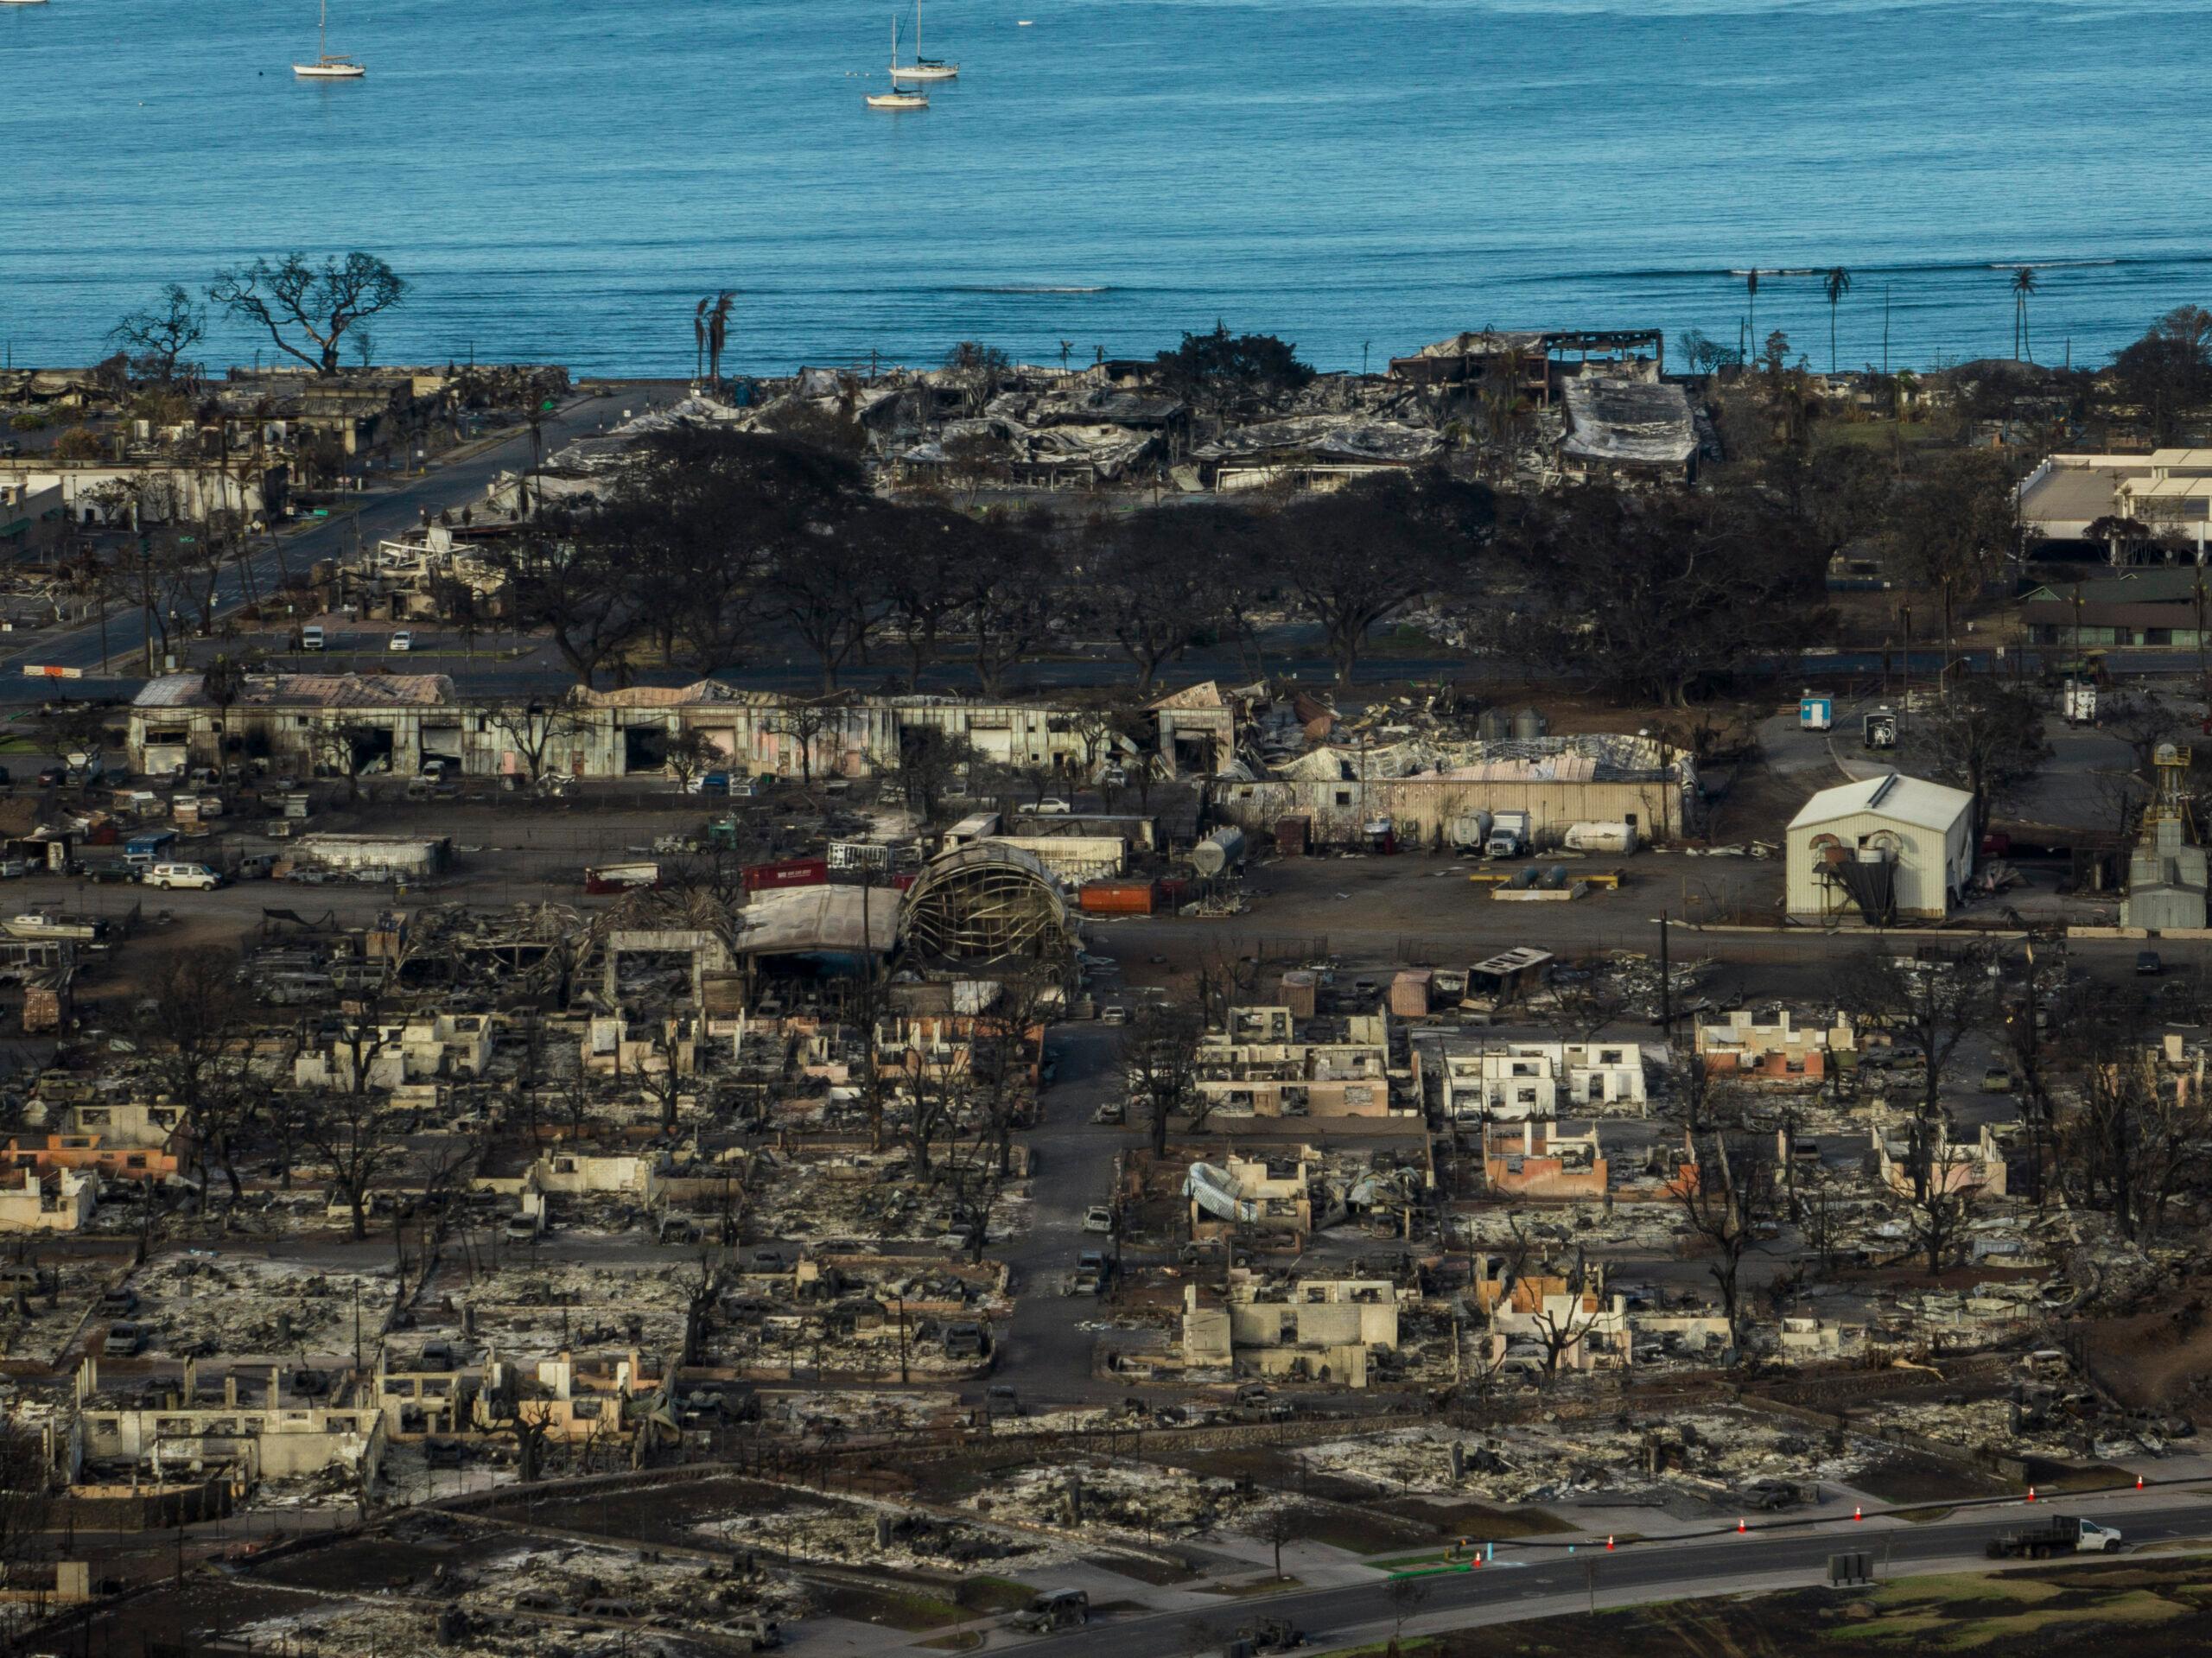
[27, 1488]
[2138, 1134]
[348, 1133]
[159, 337]
[1726, 1200]
[803, 723]
[1936, 1005]
[530, 729]
[1159, 1050]
[1939, 1212]
[305, 309]
[189, 1024]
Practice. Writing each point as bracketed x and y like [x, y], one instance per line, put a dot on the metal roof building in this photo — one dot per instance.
[1881, 849]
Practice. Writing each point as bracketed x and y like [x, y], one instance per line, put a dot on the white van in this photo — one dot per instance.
[168, 876]
[311, 637]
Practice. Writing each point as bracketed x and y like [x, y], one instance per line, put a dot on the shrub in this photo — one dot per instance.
[79, 443]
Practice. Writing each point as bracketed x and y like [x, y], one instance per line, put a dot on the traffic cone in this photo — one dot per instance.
[1609, 1541]
[2032, 1493]
[2139, 1482]
[1857, 1513]
[1741, 1527]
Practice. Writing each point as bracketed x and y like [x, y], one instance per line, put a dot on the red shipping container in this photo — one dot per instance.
[1117, 897]
[792, 872]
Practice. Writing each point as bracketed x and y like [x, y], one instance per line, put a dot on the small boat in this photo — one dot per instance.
[895, 99]
[327, 66]
[921, 68]
[36, 925]
[22, 3]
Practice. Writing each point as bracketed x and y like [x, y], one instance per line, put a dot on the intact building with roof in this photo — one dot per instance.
[1881, 850]
[2154, 604]
[2166, 489]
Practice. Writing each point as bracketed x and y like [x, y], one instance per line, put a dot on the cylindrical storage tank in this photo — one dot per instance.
[1493, 724]
[1529, 723]
[1301, 993]
[1471, 829]
[1220, 852]
[1601, 837]
[1117, 897]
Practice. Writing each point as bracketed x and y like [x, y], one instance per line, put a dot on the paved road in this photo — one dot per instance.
[1527, 1582]
[1041, 1353]
[382, 512]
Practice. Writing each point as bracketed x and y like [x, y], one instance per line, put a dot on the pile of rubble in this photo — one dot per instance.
[1133, 1501]
[554, 1305]
[883, 1536]
[195, 1302]
[1701, 1456]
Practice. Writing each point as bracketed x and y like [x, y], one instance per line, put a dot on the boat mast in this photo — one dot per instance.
[322, 33]
[918, 33]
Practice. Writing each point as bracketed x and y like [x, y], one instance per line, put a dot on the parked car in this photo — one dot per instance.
[1054, 806]
[1997, 1080]
[404, 639]
[124, 1341]
[1114, 1013]
[169, 876]
[2148, 964]
[1098, 1219]
[1113, 1113]
[14, 868]
[54, 776]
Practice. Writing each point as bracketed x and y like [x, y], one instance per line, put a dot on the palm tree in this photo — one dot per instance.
[1751, 291]
[2024, 283]
[718, 334]
[699, 342]
[1066, 345]
[1835, 285]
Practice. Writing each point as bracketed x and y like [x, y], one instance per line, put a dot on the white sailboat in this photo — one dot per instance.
[327, 66]
[897, 98]
[921, 68]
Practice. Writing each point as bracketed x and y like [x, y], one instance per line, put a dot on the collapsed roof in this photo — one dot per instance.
[1335, 437]
[1645, 423]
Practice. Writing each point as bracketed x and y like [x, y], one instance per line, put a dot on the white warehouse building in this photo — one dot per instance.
[1883, 849]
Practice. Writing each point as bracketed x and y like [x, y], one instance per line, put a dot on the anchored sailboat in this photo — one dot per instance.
[326, 65]
[895, 99]
[921, 68]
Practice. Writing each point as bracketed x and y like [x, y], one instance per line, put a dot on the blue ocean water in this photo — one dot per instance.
[563, 178]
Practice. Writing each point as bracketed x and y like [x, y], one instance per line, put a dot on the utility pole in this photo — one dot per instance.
[1666, 987]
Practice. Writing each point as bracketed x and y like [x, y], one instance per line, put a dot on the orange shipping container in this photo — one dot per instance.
[1117, 897]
